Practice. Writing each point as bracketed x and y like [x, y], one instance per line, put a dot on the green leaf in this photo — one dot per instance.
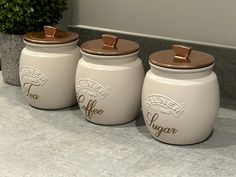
[22, 16]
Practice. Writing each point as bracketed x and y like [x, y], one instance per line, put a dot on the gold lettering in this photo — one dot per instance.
[167, 130]
[27, 90]
[174, 130]
[152, 119]
[81, 98]
[160, 129]
[34, 96]
[89, 108]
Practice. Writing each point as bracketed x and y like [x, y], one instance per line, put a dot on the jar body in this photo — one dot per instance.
[47, 74]
[108, 88]
[180, 106]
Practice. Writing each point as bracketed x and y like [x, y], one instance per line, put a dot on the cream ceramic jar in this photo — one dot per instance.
[180, 96]
[109, 80]
[47, 68]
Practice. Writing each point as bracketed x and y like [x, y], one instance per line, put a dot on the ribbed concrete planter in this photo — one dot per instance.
[10, 49]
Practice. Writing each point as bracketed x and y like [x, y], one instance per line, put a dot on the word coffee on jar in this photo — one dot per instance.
[158, 107]
[30, 78]
[88, 92]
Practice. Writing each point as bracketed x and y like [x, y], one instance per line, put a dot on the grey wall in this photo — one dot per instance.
[209, 21]
[64, 22]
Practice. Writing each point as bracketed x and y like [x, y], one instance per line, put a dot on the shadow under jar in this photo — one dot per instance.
[109, 80]
[180, 97]
[47, 68]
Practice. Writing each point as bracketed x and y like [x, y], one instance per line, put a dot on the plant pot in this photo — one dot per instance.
[10, 49]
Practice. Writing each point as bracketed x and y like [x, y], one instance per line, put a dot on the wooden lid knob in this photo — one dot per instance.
[109, 40]
[50, 31]
[181, 53]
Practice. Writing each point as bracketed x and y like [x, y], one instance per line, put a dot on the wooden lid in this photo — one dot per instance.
[109, 45]
[181, 57]
[50, 35]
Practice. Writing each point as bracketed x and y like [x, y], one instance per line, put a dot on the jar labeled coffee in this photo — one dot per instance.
[180, 97]
[47, 68]
[109, 80]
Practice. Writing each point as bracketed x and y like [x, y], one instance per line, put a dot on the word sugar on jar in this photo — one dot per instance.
[109, 80]
[47, 68]
[180, 97]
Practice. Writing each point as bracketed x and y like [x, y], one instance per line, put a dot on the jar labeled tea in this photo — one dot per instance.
[47, 68]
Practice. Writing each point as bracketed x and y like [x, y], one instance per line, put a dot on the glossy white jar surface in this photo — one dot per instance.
[108, 88]
[180, 106]
[47, 74]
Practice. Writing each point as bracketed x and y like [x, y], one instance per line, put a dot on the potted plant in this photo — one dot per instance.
[18, 17]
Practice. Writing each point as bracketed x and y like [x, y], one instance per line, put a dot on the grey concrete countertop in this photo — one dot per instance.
[39, 143]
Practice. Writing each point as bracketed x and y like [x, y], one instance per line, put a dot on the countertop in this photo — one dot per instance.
[61, 143]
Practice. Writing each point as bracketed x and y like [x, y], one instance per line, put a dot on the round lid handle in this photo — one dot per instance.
[50, 31]
[109, 41]
[181, 53]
